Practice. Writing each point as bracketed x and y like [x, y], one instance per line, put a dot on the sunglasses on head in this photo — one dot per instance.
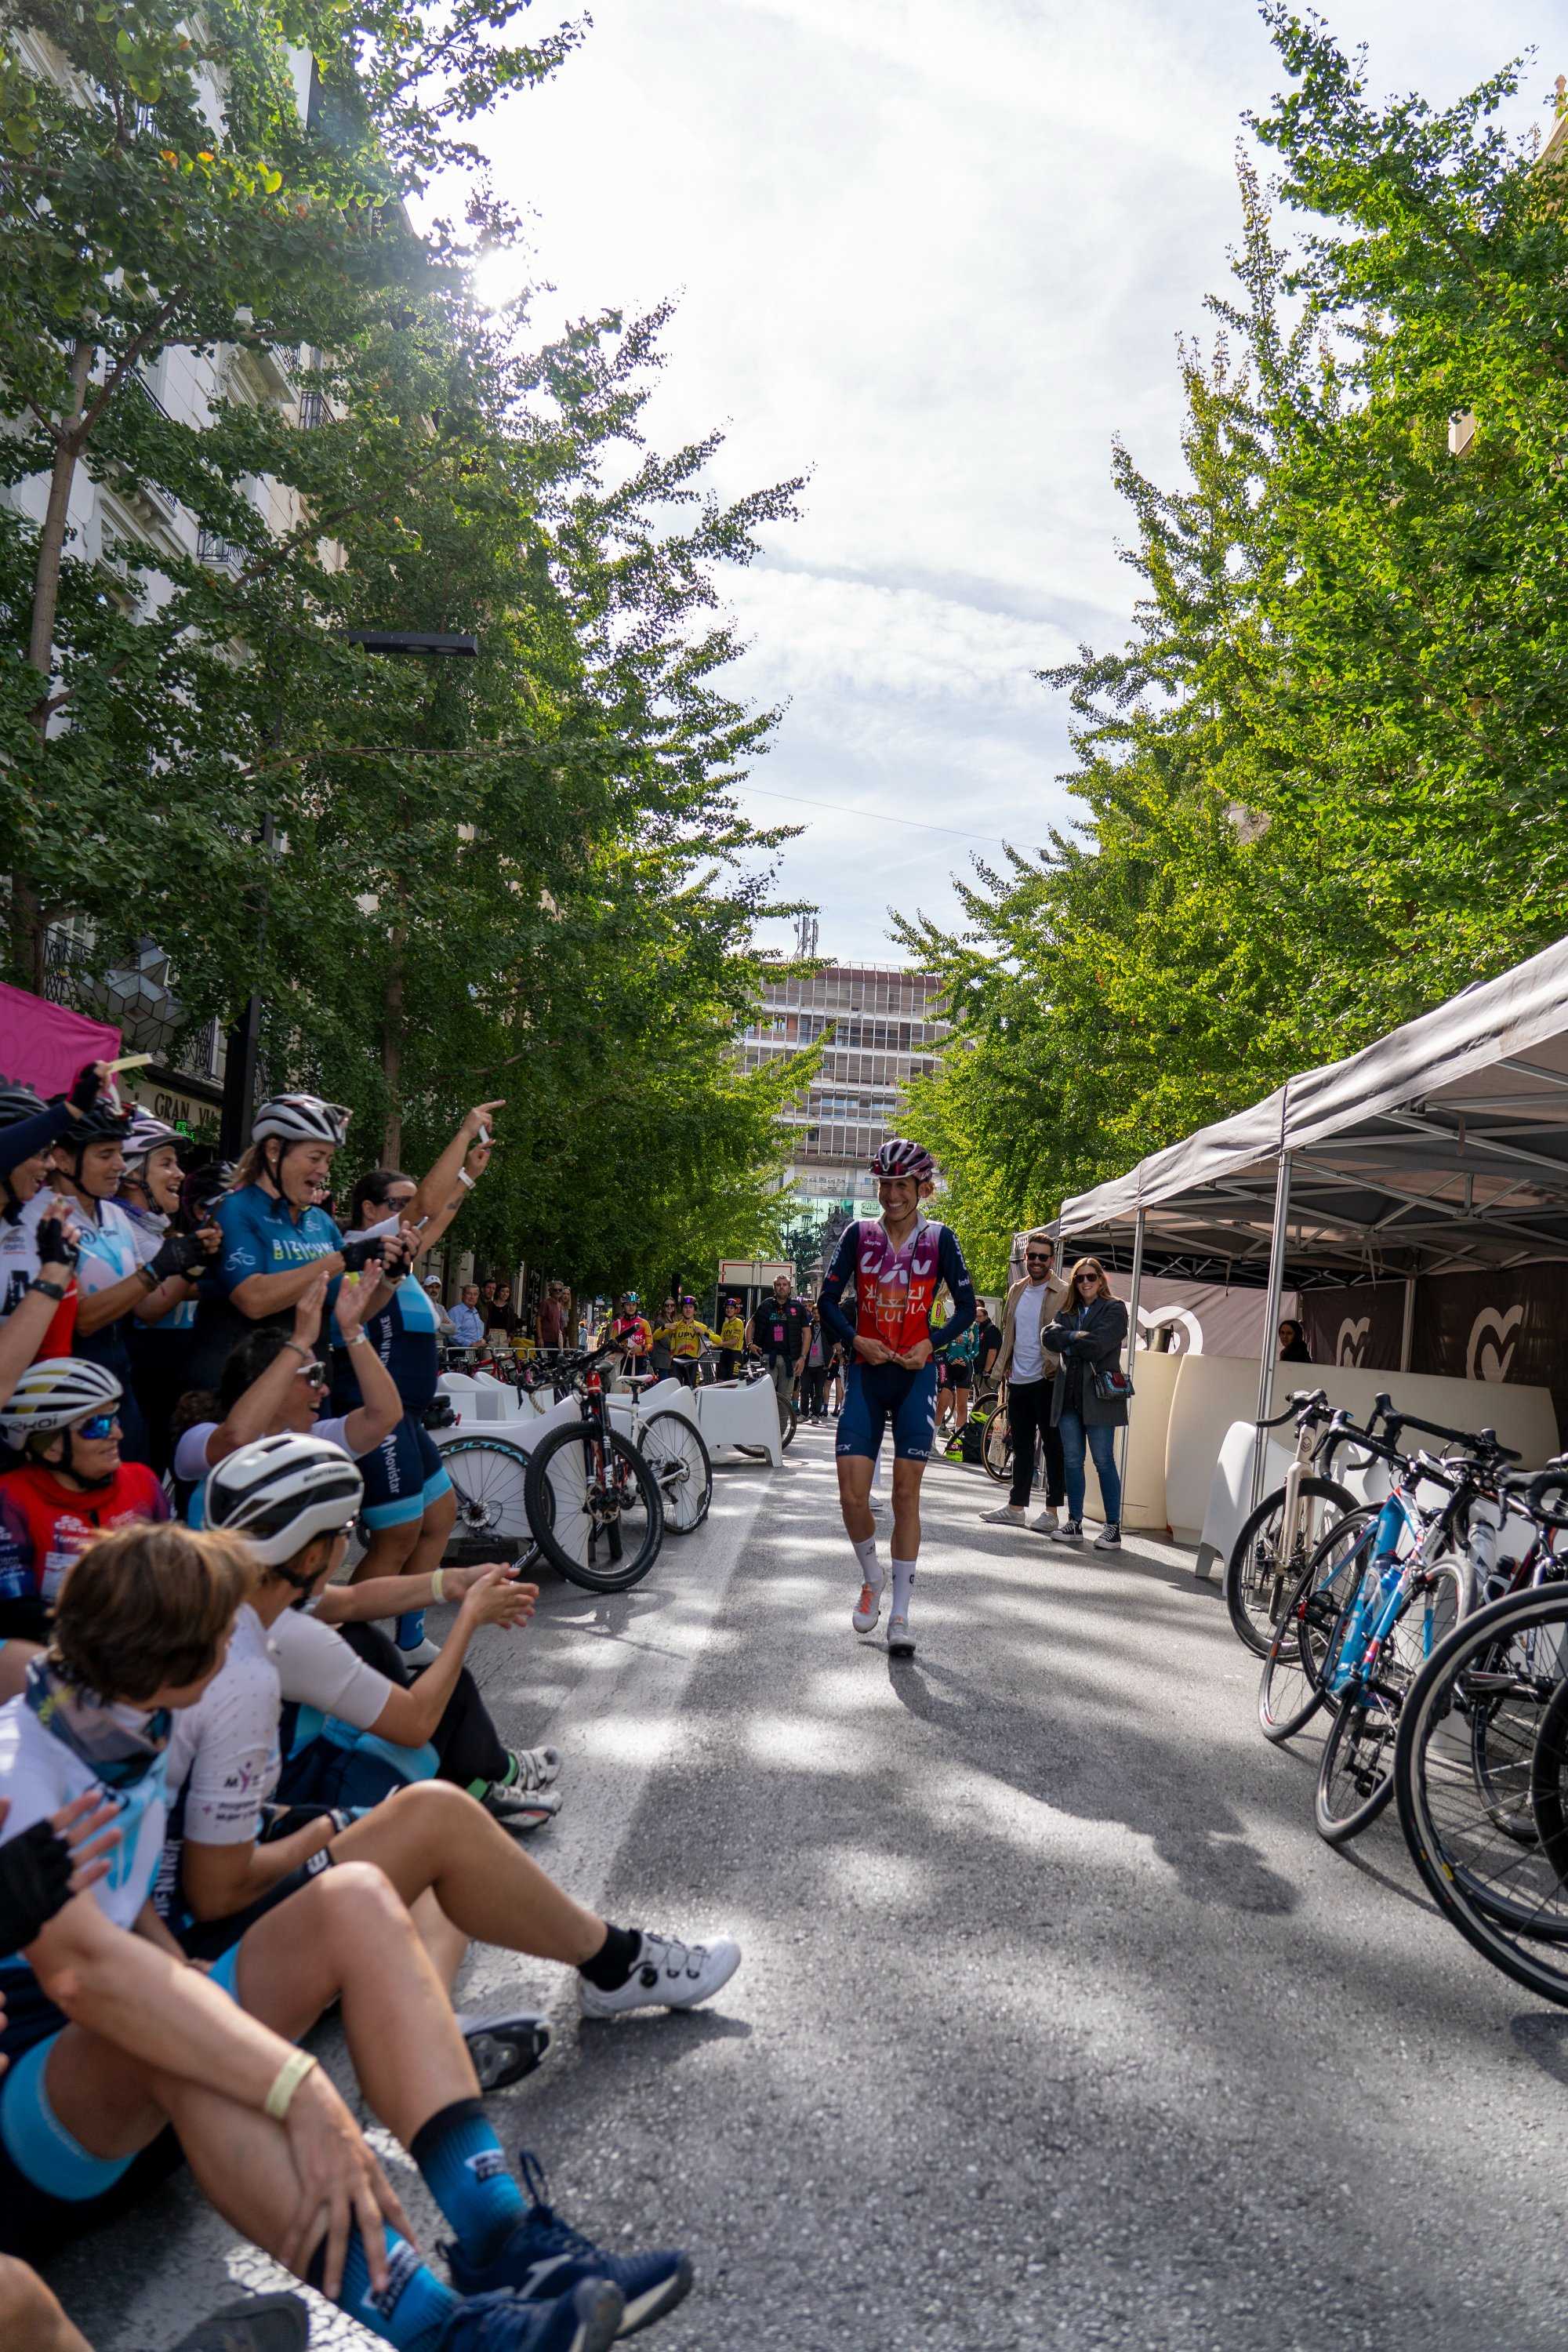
[103, 1424]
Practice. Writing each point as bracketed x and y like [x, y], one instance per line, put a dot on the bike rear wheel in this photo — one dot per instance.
[595, 1506]
[1262, 1571]
[674, 1447]
[1355, 1780]
[996, 1454]
[488, 1476]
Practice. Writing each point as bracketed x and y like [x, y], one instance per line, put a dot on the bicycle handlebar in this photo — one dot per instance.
[1299, 1401]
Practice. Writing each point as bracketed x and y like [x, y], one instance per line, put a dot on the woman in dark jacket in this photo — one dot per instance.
[1089, 1336]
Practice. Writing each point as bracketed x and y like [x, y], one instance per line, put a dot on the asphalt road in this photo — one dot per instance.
[1058, 2025]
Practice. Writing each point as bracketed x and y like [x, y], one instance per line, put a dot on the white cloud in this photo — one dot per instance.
[938, 257]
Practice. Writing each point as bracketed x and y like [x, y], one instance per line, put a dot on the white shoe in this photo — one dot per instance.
[868, 1608]
[900, 1640]
[667, 1975]
[1006, 1518]
[1109, 1538]
[1048, 1523]
[537, 1767]
[424, 1653]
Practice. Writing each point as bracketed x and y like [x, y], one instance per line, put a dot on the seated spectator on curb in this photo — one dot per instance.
[409, 1506]
[40, 1873]
[276, 1234]
[153, 1196]
[110, 2040]
[63, 1417]
[326, 1749]
[116, 1279]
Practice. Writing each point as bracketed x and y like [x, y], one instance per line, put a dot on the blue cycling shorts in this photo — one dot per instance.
[402, 1476]
[875, 1394]
[50, 2185]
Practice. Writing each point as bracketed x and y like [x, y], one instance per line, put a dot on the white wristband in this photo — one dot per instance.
[437, 1582]
[464, 1179]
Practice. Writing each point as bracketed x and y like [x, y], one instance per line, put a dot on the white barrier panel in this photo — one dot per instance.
[1208, 1464]
[1144, 1486]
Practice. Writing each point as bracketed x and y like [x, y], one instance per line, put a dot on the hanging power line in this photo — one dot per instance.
[876, 816]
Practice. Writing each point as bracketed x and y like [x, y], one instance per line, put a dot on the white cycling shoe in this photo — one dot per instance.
[868, 1608]
[667, 1975]
[900, 1640]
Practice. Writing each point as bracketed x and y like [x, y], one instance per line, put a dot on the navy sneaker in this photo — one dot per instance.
[545, 2259]
[586, 2318]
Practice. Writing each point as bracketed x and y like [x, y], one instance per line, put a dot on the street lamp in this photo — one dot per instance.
[244, 1036]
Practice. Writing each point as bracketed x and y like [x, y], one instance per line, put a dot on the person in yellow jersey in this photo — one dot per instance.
[684, 1338]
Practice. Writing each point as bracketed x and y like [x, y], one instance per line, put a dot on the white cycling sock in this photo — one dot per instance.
[865, 1553]
[904, 1586]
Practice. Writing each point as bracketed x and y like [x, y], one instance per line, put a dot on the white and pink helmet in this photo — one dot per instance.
[898, 1157]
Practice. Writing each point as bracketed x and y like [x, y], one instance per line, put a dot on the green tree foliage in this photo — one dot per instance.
[1322, 781]
[523, 874]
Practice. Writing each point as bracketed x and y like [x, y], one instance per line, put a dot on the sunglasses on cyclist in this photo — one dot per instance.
[316, 1374]
[103, 1424]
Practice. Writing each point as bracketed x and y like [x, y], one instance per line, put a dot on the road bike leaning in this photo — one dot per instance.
[1270, 1554]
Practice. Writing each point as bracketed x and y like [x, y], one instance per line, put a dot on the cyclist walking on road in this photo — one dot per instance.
[897, 1262]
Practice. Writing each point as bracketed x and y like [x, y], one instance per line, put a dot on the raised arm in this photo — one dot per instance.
[442, 1179]
[380, 1408]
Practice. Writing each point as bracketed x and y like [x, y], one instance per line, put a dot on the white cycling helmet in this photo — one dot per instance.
[56, 1394]
[146, 1134]
[281, 1492]
[301, 1118]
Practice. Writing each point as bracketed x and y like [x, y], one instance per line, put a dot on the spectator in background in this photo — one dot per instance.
[1293, 1348]
[467, 1323]
[550, 1323]
[1087, 1338]
[661, 1358]
[732, 1340]
[1027, 1371]
[433, 1292]
[500, 1313]
[819, 1352]
[781, 1328]
[987, 1344]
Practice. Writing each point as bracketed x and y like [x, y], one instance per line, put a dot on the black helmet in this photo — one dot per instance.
[18, 1102]
[100, 1123]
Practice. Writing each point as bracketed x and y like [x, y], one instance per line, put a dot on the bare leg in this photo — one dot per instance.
[448, 1945]
[907, 1478]
[854, 1495]
[435, 1837]
[960, 1410]
[435, 1528]
[30, 2316]
[390, 1552]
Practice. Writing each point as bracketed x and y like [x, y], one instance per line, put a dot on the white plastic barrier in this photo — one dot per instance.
[1143, 1483]
[1522, 1416]
[739, 1412]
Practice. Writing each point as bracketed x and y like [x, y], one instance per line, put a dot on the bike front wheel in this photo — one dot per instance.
[1291, 1690]
[1266, 1562]
[1355, 1780]
[595, 1506]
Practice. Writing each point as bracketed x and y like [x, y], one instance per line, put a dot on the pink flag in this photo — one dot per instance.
[44, 1045]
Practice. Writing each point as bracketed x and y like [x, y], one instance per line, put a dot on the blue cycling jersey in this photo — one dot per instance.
[405, 1335]
[262, 1234]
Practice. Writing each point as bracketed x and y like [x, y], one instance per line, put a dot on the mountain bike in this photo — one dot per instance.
[1275, 1542]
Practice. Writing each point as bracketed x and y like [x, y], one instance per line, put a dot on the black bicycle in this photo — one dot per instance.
[594, 1501]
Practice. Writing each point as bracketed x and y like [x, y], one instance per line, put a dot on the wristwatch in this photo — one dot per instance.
[49, 1289]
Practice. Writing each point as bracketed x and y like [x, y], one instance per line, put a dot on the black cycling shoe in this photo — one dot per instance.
[262, 2323]
[505, 2046]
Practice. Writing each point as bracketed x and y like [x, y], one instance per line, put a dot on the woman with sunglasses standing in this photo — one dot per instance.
[1089, 1336]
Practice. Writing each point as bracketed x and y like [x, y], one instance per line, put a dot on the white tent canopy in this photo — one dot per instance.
[1443, 1145]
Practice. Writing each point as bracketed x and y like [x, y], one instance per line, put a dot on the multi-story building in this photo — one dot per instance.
[887, 1028]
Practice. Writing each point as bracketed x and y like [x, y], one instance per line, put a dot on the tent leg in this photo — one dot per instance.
[1271, 1319]
[1133, 1343]
[1408, 1333]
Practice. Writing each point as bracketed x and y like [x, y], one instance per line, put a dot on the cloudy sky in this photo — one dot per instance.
[936, 255]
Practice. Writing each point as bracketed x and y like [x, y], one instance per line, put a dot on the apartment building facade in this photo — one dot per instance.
[887, 1028]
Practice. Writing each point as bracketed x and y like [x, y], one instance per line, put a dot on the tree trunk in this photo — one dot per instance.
[28, 928]
[392, 1051]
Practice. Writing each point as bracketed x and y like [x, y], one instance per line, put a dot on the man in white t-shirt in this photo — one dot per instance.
[1027, 1374]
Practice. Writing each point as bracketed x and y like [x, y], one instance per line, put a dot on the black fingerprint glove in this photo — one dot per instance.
[84, 1090]
[35, 1881]
[181, 1253]
[358, 1254]
[55, 1246]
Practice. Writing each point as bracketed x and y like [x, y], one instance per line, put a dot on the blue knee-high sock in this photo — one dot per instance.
[466, 2173]
[413, 2312]
[411, 1629]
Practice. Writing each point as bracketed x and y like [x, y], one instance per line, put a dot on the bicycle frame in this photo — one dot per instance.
[1381, 1598]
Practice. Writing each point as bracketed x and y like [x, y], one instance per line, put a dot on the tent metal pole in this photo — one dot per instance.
[1271, 1319]
[1408, 1333]
[1132, 1342]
